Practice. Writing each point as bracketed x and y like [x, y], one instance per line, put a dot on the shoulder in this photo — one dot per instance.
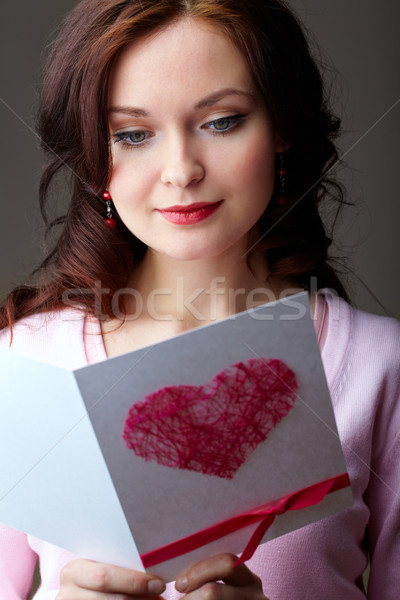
[380, 332]
[362, 362]
[365, 340]
[375, 346]
[361, 358]
[55, 337]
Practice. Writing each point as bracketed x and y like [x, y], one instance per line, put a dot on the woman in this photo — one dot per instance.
[199, 143]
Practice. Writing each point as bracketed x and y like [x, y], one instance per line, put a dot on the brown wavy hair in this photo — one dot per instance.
[73, 127]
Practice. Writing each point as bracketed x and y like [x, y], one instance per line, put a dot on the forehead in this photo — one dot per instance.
[189, 55]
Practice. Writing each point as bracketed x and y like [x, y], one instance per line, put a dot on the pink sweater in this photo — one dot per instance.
[361, 356]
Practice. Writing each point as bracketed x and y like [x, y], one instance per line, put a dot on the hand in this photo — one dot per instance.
[87, 580]
[203, 581]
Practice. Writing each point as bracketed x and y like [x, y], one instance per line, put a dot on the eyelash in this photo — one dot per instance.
[234, 122]
[123, 137]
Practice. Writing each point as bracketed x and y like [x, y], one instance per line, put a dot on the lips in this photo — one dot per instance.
[190, 214]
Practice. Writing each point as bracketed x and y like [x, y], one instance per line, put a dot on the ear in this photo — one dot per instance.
[280, 144]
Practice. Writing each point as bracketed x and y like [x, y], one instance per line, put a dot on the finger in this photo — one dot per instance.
[241, 576]
[217, 568]
[104, 578]
[212, 591]
[74, 593]
[219, 591]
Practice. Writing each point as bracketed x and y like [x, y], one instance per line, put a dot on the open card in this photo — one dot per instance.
[123, 457]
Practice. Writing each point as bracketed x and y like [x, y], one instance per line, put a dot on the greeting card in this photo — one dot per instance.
[216, 440]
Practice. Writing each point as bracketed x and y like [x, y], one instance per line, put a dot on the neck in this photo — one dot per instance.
[194, 293]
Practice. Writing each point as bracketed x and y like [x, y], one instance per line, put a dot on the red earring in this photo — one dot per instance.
[110, 222]
[282, 197]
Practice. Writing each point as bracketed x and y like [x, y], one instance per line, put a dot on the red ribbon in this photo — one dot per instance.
[266, 514]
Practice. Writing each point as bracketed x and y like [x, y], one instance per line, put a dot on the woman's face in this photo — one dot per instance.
[193, 147]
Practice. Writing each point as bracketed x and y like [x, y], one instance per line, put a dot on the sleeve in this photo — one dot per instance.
[383, 492]
[17, 564]
[384, 528]
[17, 559]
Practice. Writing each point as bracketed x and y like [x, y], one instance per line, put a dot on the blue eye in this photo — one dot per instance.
[136, 136]
[224, 124]
[221, 124]
[131, 138]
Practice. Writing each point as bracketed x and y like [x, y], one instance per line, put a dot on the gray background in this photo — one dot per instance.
[358, 37]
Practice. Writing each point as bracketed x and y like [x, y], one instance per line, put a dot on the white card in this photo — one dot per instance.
[69, 476]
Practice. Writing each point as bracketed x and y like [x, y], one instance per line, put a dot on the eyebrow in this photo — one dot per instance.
[129, 110]
[221, 95]
[204, 103]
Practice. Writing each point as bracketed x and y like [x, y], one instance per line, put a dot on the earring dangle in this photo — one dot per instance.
[110, 222]
[282, 196]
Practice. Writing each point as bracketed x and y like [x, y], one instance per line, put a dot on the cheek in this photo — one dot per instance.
[260, 158]
[117, 171]
[128, 180]
[255, 173]
[250, 160]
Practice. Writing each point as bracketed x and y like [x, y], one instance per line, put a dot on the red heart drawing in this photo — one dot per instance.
[212, 428]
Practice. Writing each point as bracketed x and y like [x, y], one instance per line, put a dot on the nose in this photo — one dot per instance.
[182, 164]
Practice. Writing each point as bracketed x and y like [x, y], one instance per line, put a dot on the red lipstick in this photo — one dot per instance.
[191, 214]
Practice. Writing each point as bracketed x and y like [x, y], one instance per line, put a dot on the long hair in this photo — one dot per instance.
[73, 127]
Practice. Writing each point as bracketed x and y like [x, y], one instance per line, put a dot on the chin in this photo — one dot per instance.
[191, 253]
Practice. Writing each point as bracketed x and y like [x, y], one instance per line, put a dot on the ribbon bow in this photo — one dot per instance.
[265, 515]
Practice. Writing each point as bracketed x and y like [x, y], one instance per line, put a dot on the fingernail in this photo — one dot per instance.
[155, 586]
[181, 584]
